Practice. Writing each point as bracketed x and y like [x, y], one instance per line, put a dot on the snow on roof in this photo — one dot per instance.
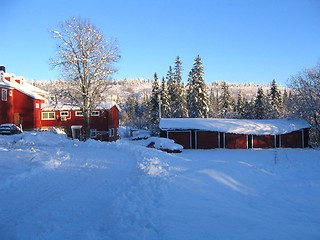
[108, 105]
[26, 89]
[103, 106]
[238, 126]
[23, 86]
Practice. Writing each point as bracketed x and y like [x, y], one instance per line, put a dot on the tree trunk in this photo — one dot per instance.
[86, 121]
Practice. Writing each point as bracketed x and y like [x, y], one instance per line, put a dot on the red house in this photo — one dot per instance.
[104, 121]
[209, 133]
[25, 105]
[20, 101]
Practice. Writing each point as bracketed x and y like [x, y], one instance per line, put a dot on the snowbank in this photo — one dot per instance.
[164, 144]
[52, 187]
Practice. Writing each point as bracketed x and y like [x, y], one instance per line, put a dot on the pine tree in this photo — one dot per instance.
[260, 105]
[240, 106]
[154, 106]
[213, 104]
[181, 104]
[225, 101]
[275, 100]
[165, 102]
[183, 100]
[171, 84]
[176, 91]
[197, 98]
[248, 110]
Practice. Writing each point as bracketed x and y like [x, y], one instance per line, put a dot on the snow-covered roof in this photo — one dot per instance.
[238, 126]
[103, 106]
[28, 90]
[22, 86]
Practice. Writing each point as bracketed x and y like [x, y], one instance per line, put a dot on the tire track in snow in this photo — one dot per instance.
[137, 208]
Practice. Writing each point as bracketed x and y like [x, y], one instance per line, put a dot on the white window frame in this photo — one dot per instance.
[93, 133]
[95, 113]
[37, 105]
[111, 132]
[4, 95]
[64, 113]
[43, 117]
[79, 114]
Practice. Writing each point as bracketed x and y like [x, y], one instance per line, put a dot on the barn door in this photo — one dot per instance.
[181, 137]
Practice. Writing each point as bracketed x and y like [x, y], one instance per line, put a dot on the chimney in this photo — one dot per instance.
[2, 68]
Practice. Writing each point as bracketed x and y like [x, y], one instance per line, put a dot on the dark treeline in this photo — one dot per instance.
[170, 98]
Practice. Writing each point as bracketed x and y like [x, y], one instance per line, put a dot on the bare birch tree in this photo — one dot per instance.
[306, 98]
[86, 61]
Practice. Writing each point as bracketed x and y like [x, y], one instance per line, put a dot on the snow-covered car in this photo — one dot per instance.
[9, 129]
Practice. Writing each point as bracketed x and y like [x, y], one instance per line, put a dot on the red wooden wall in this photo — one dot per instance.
[292, 140]
[207, 140]
[238, 141]
[181, 137]
[6, 107]
[267, 141]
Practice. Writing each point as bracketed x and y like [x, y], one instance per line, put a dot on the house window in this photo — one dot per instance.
[37, 105]
[10, 93]
[95, 113]
[4, 95]
[79, 113]
[64, 113]
[48, 115]
[111, 132]
[93, 133]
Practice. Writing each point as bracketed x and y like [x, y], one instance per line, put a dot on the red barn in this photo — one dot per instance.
[24, 104]
[209, 133]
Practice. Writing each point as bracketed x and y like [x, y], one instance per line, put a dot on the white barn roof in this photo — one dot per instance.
[238, 126]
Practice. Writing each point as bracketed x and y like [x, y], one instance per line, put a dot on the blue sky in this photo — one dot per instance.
[238, 41]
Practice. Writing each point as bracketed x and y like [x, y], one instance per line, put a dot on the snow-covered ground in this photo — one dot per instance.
[55, 188]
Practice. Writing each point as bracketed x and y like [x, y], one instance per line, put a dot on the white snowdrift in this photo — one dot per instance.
[164, 144]
[54, 188]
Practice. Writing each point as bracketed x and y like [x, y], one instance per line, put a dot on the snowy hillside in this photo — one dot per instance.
[122, 88]
[55, 188]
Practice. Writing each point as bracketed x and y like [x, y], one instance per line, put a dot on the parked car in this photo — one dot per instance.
[9, 129]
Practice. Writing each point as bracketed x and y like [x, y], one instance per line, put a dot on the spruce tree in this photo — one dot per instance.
[275, 99]
[213, 104]
[197, 98]
[248, 110]
[176, 91]
[172, 92]
[171, 85]
[181, 104]
[225, 102]
[260, 105]
[240, 106]
[154, 106]
[165, 102]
